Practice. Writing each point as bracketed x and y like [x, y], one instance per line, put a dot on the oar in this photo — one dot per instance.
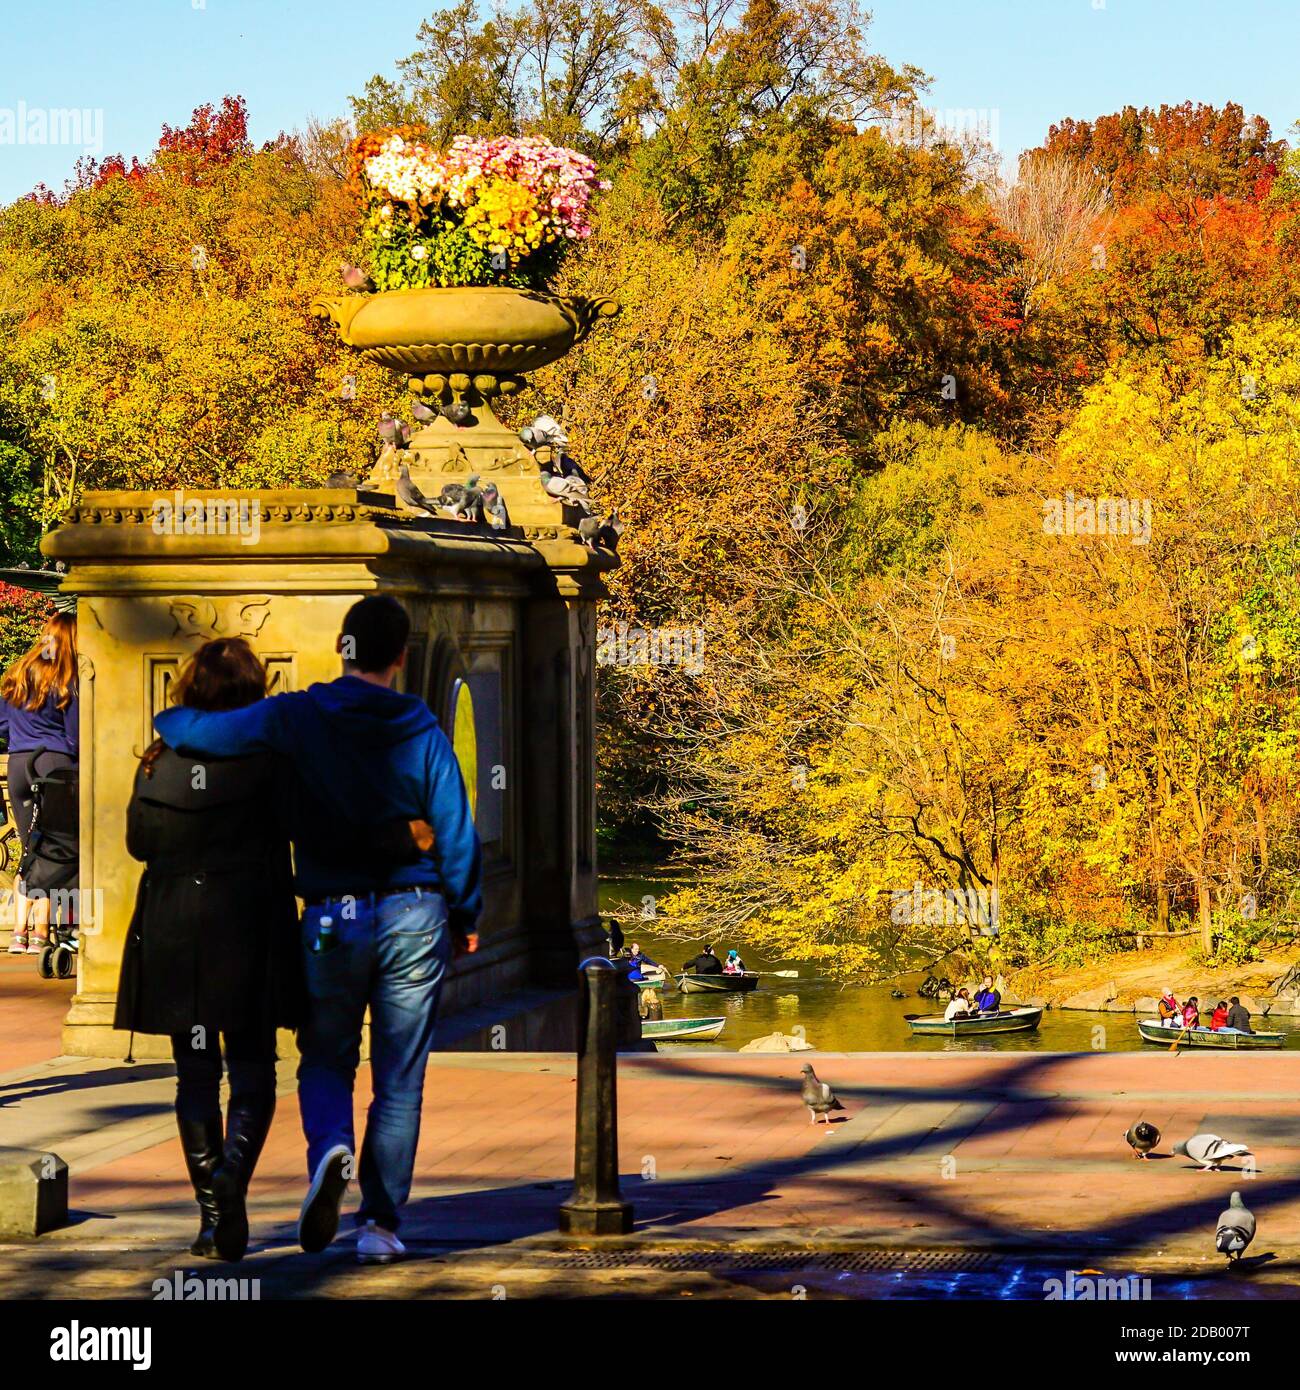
[1187, 1028]
[780, 974]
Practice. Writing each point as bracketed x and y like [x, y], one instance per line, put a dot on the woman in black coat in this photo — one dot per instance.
[212, 952]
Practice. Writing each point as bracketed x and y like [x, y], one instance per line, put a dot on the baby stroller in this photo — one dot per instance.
[50, 863]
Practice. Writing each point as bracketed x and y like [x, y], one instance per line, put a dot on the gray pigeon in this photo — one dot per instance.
[817, 1096]
[569, 489]
[410, 494]
[341, 478]
[494, 508]
[458, 412]
[1142, 1138]
[1236, 1229]
[600, 532]
[422, 412]
[394, 431]
[1209, 1151]
[463, 501]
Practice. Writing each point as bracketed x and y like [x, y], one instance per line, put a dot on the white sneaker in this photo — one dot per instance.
[376, 1246]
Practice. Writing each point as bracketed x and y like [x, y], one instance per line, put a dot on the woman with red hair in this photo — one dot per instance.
[39, 717]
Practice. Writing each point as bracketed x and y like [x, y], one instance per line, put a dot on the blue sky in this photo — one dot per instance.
[1024, 62]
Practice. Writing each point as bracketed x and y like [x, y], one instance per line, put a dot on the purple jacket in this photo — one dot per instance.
[48, 727]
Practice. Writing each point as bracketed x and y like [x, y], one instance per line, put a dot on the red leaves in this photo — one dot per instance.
[215, 135]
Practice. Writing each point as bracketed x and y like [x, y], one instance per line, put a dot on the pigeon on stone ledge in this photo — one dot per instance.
[494, 508]
[411, 495]
[462, 501]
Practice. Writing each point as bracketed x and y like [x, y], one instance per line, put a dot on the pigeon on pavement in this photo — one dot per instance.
[817, 1096]
[1209, 1151]
[1142, 1138]
[1236, 1229]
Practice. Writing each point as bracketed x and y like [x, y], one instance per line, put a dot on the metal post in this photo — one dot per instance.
[596, 1207]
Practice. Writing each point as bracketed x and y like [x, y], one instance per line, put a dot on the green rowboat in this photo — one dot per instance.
[681, 1029]
[1020, 1020]
[718, 984]
[1152, 1032]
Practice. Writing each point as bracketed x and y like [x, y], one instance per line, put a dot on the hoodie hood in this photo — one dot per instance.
[371, 714]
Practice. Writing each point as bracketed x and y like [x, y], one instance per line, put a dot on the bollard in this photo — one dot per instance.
[596, 1207]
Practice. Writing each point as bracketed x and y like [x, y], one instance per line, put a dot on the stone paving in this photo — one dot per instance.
[985, 1160]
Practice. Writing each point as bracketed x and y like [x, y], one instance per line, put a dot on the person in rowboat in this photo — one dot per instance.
[1192, 1013]
[1239, 1017]
[959, 1006]
[1169, 1010]
[706, 963]
[643, 968]
[987, 999]
[734, 965]
[1219, 1018]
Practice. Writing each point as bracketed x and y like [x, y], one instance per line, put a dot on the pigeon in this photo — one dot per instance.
[410, 494]
[341, 478]
[817, 1096]
[394, 431]
[463, 501]
[355, 278]
[494, 508]
[546, 429]
[458, 412]
[1142, 1138]
[1236, 1229]
[422, 412]
[1209, 1151]
[597, 531]
[568, 489]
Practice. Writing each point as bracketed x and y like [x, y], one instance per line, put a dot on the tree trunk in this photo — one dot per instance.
[1207, 924]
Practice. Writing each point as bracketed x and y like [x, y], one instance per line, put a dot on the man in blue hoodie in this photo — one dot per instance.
[376, 932]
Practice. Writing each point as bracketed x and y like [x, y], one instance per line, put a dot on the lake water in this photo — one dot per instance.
[836, 1017]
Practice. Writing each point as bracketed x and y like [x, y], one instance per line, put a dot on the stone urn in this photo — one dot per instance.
[460, 349]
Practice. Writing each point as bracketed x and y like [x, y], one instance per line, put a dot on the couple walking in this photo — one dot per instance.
[363, 782]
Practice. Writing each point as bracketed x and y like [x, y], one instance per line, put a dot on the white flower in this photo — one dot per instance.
[419, 253]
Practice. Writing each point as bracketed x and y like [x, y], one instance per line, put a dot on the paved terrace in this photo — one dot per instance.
[949, 1172]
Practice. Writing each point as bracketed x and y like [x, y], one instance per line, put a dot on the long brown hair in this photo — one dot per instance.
[51, 665]
[222, 674]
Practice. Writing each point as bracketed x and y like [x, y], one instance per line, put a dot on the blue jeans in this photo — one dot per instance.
[391, 954]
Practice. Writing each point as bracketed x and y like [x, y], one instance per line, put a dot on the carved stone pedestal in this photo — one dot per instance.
[502, 648]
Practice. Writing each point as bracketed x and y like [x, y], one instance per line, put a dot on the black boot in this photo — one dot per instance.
[248, 1121]
[201, 1144]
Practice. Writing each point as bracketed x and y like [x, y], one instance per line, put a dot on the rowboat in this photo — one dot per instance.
[656, 981]
[1152, 1032]
[681, 1029]
[1018, 1020]
[718, 984]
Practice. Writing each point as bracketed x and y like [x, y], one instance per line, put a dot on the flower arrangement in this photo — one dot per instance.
[483, 212]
